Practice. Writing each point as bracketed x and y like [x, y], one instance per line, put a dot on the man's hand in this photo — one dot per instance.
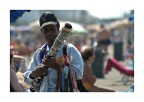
[39, 71]
[51, 63]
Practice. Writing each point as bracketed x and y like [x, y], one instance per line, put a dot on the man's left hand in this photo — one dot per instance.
[51, 63]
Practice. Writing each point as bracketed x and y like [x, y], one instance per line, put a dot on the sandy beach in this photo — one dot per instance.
[113, 80]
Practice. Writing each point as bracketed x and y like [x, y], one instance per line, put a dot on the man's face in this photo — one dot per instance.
[50, 32]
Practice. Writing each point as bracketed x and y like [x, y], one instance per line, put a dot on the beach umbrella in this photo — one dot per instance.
[34, 26]
[119, 24]
[77, 28]
[92, 28]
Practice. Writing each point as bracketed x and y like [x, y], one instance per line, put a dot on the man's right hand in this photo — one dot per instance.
[39, 71]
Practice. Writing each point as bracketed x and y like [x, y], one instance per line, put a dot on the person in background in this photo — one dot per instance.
[19, 62]
[19, 68]
[89, 79]
[103, 39]
[118, 43]
[14, 84]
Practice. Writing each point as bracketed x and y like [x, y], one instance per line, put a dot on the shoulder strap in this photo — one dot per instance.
[42, 52]
[65, 49]
[66, 62]
[70, 82]
[62, 83]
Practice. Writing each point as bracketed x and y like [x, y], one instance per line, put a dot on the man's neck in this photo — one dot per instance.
[49, 44]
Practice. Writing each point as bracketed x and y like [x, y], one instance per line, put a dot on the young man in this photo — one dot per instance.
[103, 38]
[49, 26]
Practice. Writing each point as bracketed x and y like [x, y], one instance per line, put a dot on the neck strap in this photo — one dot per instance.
[43, 52]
